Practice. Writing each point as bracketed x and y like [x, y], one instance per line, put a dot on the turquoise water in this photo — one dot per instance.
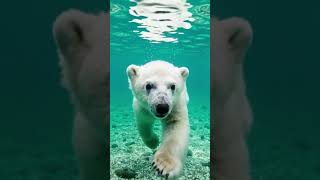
[281, 71]
[186, 45]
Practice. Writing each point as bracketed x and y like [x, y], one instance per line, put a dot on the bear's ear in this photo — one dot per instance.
[71, 32]
[239, 35]
[184, 72]
[132, 71]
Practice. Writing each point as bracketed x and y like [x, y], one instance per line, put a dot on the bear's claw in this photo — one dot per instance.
[166, 166]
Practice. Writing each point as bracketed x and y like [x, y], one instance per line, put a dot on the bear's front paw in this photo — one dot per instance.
[152, 142]
[166, 165]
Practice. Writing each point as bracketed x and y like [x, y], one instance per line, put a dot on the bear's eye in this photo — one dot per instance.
[149, 86]
[173, 87]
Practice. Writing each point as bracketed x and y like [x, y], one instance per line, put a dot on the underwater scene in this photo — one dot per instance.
[174, 31]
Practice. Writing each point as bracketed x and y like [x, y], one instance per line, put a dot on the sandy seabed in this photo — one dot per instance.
[128, 151]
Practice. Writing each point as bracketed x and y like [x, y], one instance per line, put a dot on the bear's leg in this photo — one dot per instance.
[145, 123]
[231, 157]
[90, 150]
[233, 162]
[168, 160]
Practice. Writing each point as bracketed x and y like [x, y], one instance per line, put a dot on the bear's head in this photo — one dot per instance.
[83, 46]
[231, 39]
[158, 86]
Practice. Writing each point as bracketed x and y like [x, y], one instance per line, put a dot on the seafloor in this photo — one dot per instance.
[128, 151]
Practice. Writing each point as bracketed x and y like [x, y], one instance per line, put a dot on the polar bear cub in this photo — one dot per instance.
[160, 93]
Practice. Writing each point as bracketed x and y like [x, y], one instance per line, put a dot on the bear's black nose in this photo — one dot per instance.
[162, 109]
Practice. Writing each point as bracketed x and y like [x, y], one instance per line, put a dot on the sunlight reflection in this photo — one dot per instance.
[159, 21]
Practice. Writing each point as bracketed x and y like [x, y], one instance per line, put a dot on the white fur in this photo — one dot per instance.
[170, 155]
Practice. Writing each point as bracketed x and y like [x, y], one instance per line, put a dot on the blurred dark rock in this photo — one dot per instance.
[202, 137]
[129, 143]
[126, 173]
[189, 153]
[205, 164]
[114, 145]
